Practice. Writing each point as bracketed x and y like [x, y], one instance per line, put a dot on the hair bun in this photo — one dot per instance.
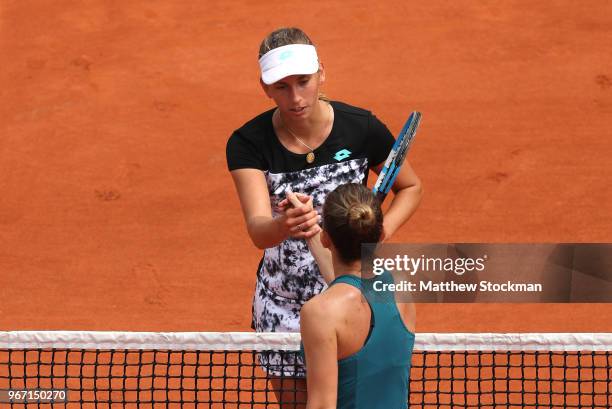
[352, 217]
[360, 216]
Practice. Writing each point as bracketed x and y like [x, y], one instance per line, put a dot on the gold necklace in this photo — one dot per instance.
[310, 156]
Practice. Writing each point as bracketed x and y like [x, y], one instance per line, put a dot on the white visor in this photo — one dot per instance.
[292, 59]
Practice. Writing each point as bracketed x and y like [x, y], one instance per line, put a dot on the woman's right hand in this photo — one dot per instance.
[299, 222]
[264, 229]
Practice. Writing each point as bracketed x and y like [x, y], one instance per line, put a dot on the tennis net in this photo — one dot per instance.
[234, 370]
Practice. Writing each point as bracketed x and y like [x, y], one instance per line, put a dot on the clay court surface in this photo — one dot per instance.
[117, 211]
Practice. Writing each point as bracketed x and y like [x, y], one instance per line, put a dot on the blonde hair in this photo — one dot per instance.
[285, 36]
[351, 217]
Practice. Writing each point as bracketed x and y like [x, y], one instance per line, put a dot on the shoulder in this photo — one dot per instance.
[350, 110]
[315, 319]
[246, 146]
[332, 303]
[254, 130]
[260, 123]
[317, 310]
[314, 308]
[356, 119]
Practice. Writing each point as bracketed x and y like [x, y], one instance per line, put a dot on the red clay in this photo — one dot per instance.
[117, 211]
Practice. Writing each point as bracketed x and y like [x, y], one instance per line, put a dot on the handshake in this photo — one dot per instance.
[301, 220]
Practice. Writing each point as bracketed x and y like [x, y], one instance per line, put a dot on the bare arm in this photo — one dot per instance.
[408, 192]
[267, 231]
[321, 255]
[407, 310]
[321, 349]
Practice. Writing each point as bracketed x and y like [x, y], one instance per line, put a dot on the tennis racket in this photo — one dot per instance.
[396, 157]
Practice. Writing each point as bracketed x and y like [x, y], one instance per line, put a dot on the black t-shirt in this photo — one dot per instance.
[256, 146]
[358, 141]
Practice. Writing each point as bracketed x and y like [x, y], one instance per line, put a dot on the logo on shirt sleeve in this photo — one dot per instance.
[342, 154]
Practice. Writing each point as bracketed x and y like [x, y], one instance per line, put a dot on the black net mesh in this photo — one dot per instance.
[133, 378]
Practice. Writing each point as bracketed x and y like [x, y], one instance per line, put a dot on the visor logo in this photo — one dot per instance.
[342, 154]
[285, 54]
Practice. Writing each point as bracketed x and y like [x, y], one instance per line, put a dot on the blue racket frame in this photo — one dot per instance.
[396, 157]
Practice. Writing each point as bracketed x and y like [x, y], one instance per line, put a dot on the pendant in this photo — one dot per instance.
[310, 157]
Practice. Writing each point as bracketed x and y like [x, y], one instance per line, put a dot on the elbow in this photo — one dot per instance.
[258, 241]
[415, 191]
[259, 245]
[264, 232]
[415, 188]
[419, 190]
[258, 238]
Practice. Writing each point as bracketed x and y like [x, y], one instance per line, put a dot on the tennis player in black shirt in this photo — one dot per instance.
[310, 145]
